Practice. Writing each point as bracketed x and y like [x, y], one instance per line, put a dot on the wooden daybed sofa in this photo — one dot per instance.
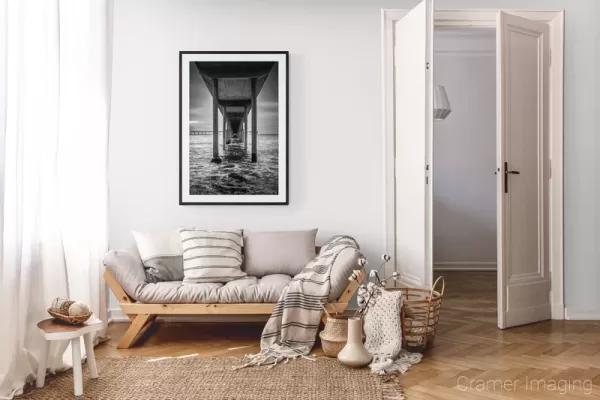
[138, 300]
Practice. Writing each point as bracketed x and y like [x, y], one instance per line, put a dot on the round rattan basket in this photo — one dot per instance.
[420, 315]
[335, 335]
[68, 319]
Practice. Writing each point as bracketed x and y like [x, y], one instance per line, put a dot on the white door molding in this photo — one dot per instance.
[413, 69]
[486, 18]
[388, 18]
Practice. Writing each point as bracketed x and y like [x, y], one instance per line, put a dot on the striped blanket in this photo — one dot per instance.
[291, 330]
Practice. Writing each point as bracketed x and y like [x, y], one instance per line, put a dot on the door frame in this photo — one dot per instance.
[478, 18]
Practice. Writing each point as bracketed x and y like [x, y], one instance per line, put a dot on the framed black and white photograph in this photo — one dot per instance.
[233, 127]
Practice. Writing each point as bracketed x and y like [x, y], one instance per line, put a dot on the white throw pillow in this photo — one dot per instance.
[161, 255]
[211, 255]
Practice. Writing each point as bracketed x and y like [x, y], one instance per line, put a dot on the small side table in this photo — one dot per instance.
[53, 330]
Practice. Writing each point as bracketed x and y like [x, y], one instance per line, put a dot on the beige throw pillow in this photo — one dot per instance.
[211, 255]
[285, 252]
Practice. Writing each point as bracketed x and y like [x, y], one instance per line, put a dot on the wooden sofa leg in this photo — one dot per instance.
[138, 327]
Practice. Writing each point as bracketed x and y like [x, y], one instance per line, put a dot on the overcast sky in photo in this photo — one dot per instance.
[201, 105]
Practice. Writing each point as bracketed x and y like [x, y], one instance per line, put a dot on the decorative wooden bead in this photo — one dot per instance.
[78, 308]
[58, 302]
[64, 308]
[61, 305]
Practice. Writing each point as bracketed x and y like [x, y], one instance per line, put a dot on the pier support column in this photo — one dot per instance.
[254, 111]
[245, 131]
[216, 158]
[224, 128]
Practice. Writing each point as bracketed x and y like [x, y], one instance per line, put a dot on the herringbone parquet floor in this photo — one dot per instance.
[471, 358]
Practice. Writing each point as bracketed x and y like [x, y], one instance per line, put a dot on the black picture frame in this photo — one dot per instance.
[237, 57]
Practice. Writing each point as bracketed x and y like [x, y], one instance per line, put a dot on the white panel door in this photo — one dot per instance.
[523, 171]
[413, 77]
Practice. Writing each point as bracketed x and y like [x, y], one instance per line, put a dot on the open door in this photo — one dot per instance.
[523, 61]
[413, 77]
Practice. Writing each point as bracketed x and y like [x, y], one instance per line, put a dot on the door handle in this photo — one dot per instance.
[506, 172]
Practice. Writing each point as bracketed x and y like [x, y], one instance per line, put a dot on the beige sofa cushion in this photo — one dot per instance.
[129, 272]
[344, 264]
[285, 252]
[245, 290]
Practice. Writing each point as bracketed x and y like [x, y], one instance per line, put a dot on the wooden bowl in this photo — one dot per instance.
[69, 319]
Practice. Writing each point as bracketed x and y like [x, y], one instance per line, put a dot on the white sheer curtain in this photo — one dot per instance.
[54, 116]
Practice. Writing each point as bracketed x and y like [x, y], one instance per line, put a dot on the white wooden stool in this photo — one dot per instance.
[53, 330]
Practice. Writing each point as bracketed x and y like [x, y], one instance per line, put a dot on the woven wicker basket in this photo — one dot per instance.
[73, 320]
[420, 315]
[335, 335]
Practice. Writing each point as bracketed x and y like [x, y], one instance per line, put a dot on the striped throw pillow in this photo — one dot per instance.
[211, 255]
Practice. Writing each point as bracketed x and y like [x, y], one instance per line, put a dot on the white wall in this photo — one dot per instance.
[336, 180]
[464, 184]
[335, 147]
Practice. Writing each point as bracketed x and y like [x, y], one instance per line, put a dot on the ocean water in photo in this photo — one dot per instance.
[236, 174]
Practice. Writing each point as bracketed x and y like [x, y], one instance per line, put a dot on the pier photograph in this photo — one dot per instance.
[233, 128]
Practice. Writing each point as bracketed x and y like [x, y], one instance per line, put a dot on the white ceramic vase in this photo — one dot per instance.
[354, 354]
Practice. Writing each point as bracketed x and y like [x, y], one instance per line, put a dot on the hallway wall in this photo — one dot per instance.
[464, 184]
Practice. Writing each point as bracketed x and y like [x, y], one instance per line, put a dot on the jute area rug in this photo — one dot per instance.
[207, 378]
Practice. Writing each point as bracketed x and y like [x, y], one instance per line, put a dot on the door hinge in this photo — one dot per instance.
[426, 174]
[427, 65]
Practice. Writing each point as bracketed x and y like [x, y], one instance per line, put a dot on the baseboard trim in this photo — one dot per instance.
[465, 266]
[117, 315]
[582, 314]
[558, 311]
